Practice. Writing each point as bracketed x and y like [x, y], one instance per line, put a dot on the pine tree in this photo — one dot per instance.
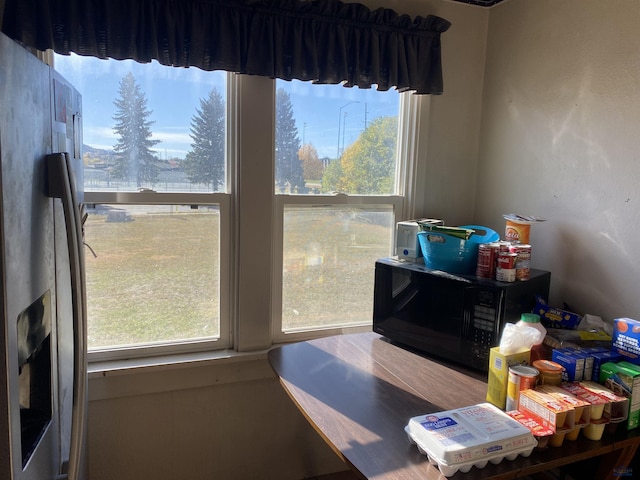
[205, 162]
[288, 164]
[134, 157]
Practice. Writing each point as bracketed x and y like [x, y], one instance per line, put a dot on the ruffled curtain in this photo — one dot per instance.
[325, 41]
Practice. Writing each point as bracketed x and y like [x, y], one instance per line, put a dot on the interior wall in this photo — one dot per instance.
[229, 421]
[560, 140]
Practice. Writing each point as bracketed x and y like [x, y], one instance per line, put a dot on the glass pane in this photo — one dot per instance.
[329, 257]
[180, 112]
[335, 139]
[155, 274]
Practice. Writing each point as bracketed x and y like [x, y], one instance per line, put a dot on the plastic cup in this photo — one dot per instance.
[593, 431]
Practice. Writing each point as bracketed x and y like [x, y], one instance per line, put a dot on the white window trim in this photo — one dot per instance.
[403, 203]
[251, 250]
[223, 202]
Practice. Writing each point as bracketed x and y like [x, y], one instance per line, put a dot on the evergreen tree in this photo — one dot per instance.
[288, 164]
[134, 157]
[205, 162]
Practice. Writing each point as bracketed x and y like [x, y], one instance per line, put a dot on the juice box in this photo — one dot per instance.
[499, 364]
[626, 339]
[624, 379]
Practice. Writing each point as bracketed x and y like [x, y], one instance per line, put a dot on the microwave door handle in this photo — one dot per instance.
[61, 185]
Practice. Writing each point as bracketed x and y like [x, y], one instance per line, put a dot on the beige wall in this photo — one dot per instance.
[561, 139]
[213, 421]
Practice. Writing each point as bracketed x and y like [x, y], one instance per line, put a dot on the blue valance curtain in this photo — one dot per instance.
[325, 41]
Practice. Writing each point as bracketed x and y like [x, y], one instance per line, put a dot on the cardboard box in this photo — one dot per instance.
[548, 410]
[626, 339]
[573, 366]
[499, 364]
[624, 379]
[587, 359]
[617, 408]
[600, 357]
[552, 317]
[581, 407]
[597, 402]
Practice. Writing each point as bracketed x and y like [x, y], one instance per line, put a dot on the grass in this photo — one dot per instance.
[156, 278]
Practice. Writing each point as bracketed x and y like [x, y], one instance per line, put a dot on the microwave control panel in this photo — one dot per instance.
[485, 326]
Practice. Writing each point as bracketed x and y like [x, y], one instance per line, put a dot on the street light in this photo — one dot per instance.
[339, 124]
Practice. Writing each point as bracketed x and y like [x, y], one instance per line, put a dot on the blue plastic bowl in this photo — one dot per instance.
[452, 254]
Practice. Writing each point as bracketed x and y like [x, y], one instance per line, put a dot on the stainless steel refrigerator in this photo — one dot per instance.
[42, 335]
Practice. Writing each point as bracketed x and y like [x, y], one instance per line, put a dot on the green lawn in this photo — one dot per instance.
[156, 278]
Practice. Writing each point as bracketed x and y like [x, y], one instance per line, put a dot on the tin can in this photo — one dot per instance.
[523, 260]
[487, 255]
[506, 267]
[521, 377]
[503, 246]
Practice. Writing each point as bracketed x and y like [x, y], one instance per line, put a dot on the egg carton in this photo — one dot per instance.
[460, 439]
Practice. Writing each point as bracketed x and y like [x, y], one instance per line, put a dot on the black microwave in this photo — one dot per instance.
[454, 317]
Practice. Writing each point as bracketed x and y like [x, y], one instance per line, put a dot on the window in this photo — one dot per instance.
[249, 211]
[336, 202]
[155, 180]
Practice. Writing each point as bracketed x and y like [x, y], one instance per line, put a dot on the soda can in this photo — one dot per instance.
[523, 260]
[506, 268]
[487, 254]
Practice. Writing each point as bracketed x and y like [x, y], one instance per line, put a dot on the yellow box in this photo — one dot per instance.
[499, 364]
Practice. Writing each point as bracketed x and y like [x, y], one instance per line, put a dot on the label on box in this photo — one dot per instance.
[498, 378]
[573, 366]
[626, 338]
[549, 411]
[624, 379]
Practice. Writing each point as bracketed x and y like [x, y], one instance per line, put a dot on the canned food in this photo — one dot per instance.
[521, 377]
[503, 246]
[523, 260]
[506, 268]
[487, 254]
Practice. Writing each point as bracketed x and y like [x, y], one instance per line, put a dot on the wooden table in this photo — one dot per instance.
[359, 391]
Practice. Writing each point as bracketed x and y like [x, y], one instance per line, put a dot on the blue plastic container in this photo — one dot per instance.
[452, 254]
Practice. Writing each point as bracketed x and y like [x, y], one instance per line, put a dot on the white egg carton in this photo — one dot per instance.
[457, 440]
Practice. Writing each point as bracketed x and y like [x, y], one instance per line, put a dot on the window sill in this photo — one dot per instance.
[142, 376]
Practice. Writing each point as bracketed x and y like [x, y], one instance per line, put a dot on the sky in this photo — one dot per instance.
[329, 117]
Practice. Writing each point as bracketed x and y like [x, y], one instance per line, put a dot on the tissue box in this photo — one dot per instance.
[499, 364]
[626, 339]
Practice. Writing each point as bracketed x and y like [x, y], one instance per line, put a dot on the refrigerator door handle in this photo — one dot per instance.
[62, 185]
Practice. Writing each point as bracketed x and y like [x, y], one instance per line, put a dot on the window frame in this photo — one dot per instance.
[402, 202]
[250, 275]
[223, 202]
